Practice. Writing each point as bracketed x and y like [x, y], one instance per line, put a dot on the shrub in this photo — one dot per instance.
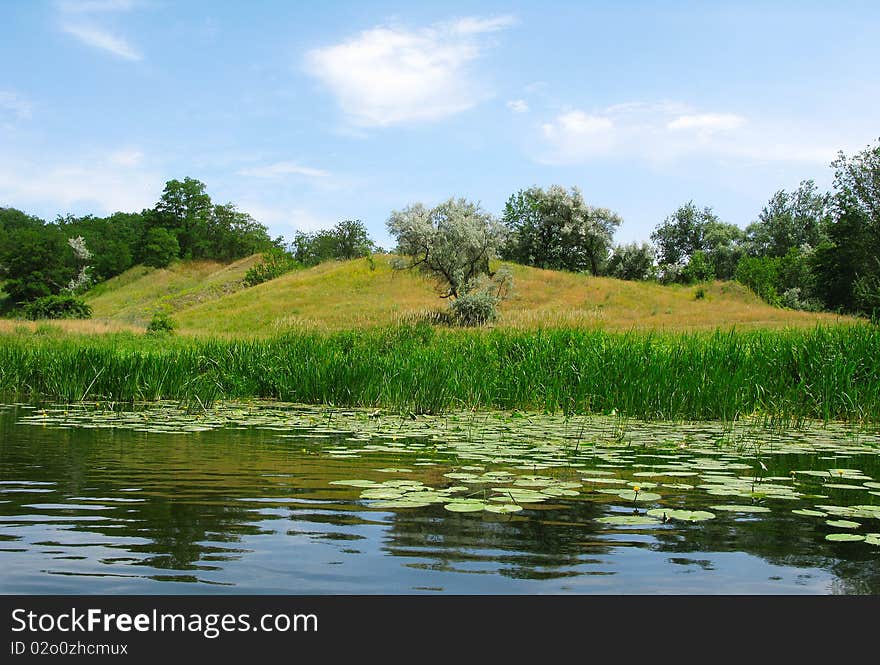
[161, 324]
[761, 275]
[475, 308]
[275, 263]
[57, 307]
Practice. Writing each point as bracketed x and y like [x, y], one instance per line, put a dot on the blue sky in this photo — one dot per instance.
[307, 113]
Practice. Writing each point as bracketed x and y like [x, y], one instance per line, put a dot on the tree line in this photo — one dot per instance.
[807, 249]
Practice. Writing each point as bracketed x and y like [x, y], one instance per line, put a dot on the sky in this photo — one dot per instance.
[304, 114]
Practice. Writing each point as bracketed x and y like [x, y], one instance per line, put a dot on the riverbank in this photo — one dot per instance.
[825, 373]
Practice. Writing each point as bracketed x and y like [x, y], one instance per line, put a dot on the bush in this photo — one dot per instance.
[57, 307]
[275, 263]
[161, 324]
[794, 299]
[761, 275]
[475, 308]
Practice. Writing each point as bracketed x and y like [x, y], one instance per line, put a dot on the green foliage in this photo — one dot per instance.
[452, 243]
[823, 373]
[205, 230]
[631, 261]
[275, 263]
[846, 268]
[160, 248]
[689, 231]
[761, 275]
[790, 221]
[698, 269]
[57, 307]
[112, 241]
[556, 229]
[161, 324]
[35, 259]
[349, 239]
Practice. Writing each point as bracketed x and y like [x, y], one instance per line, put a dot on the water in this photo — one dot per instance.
[109, 502]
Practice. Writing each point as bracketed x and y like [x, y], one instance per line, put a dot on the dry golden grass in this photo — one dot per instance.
[74, 326]
[208, 298]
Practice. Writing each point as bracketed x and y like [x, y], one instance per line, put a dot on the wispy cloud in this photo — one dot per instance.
[77, 18]
[669, 131]
[708, 122]
[101, 39]
[518, 105]
[392, 75]
[105, 182]
[286, 219]
[281, 169]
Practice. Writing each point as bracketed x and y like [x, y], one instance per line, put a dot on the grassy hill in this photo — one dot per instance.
[208, 298]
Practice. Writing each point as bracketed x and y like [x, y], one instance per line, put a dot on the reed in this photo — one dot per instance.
[826, 373]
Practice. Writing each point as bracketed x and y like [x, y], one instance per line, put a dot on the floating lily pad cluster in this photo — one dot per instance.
[669, 473]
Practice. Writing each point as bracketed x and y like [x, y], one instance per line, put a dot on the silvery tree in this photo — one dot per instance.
[452, 242]
[82, 280]
[554, 228]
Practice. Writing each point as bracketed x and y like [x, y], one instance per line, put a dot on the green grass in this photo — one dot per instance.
[827, 373]
[209, 299]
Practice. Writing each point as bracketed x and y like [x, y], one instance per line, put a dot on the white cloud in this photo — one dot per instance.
[99, 38]
[286, 219]
[707, 122]
[280, 169]
[472, 25]
[392, 75]
[518, 105]
[668, 131]
[97, 182]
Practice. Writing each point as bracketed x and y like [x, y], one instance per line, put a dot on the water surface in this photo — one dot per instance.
[273, 498]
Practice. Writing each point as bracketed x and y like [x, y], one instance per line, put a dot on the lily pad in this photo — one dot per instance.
[809, 513]
[843, 524]
[502, 508]
[354, 483]
[640, 497]
[844, 537]
[466, 506]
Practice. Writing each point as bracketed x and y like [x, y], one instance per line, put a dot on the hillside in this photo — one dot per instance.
[208, 297]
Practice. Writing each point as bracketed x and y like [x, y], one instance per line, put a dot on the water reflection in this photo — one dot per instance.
[252, 510]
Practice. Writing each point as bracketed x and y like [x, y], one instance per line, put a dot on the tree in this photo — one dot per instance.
[347, 240]
[233, 234]
[690, 230]
[631, 261]
[452, 242]
[160, 248]
[184, 210]
[35, 261]
[847, 268]
[790, 220]
[555, 229]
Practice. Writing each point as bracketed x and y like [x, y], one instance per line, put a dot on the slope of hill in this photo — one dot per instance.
[136, 294]
[208, 298]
